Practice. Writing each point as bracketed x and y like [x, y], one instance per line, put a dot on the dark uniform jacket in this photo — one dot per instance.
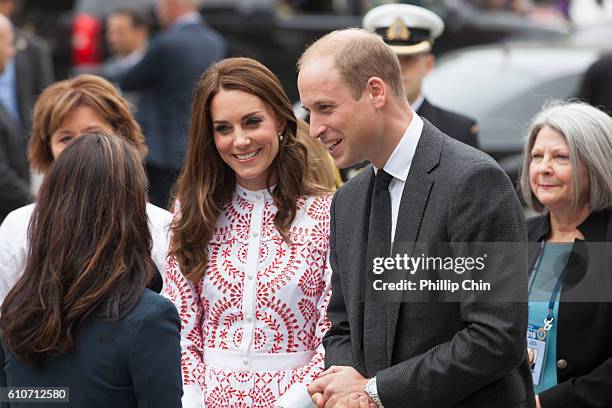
[584, 329]
[596, 87]
[459, 127]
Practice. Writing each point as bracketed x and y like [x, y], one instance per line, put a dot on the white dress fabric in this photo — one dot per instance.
[253, 325]
[14, 245]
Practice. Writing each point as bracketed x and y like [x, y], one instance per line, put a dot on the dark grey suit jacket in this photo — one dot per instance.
[460, 354]
[33, 73]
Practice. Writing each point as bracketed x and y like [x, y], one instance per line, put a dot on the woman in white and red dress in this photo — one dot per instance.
[248, 267]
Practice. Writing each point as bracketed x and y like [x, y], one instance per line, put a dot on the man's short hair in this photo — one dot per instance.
[138, 19]
[358, 55]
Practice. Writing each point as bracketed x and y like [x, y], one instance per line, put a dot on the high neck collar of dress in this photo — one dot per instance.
[250, 195]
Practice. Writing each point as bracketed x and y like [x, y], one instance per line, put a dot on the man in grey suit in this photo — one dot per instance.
[422, 187]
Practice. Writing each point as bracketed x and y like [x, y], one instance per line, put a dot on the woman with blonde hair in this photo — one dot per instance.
[321, 167]
[248, 267]
[64, 111]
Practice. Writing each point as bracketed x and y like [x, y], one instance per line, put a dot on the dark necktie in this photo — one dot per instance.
[379, 245]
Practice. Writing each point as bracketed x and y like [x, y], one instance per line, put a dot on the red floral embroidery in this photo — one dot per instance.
[287, 313]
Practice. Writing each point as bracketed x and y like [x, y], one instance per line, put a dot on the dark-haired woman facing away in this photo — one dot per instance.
[80, 316]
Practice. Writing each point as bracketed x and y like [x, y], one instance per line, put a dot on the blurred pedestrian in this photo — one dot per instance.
[596, 86]
[26, 75]
[81, 317]
[248, 267]
[14, 172]
[165, 78]
[127, 35]
[63, 112]
[410, 31]
[567, 175]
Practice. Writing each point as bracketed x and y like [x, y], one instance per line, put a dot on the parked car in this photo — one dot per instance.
[503, 86]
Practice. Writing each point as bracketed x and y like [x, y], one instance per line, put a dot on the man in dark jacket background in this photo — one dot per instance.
[25, 71]
[165, 77]
[14, 174]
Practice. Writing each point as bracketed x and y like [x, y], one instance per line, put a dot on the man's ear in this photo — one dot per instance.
[431, 61]
[377, 91]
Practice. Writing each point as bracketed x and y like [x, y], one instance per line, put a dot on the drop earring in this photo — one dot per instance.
[280, 136]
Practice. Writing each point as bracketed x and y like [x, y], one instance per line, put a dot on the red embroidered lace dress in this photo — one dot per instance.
[253, 326]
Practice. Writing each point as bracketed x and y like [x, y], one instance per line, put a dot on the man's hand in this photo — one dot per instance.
[360, 401]
[336, 384]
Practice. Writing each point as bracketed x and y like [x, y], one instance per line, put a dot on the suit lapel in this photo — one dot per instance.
[412, 207]
[22, 74]
[356, 236]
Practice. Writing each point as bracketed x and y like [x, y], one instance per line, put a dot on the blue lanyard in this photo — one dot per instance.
[548, 322]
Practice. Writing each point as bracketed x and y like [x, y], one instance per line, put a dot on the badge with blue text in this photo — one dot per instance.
[536, 350]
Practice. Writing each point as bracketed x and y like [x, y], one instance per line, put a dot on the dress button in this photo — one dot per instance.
[562, 364]
[248, 318]
[258, 196]
[249, 276]
[245, 361]
[255, 234]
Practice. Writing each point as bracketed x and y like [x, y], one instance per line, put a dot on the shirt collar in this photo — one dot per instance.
[416, 105]
[250, 195]
[398, 164]
[192, 17]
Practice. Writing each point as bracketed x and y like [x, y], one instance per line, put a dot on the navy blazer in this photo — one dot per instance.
[166, 77]
[584, 329]
[133, 363]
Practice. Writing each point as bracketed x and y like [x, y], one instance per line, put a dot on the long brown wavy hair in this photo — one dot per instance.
[89, 248]
[206, 182]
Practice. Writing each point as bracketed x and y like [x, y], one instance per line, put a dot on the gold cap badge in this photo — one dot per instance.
[398, 31]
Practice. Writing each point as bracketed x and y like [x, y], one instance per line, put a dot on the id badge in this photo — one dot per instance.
[536, 350]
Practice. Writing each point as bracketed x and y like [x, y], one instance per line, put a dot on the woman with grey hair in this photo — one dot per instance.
[567, 176]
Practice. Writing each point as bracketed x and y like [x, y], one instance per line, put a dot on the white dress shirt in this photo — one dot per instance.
[398, 165]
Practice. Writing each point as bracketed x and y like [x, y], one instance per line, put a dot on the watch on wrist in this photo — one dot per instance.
[372, 392]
